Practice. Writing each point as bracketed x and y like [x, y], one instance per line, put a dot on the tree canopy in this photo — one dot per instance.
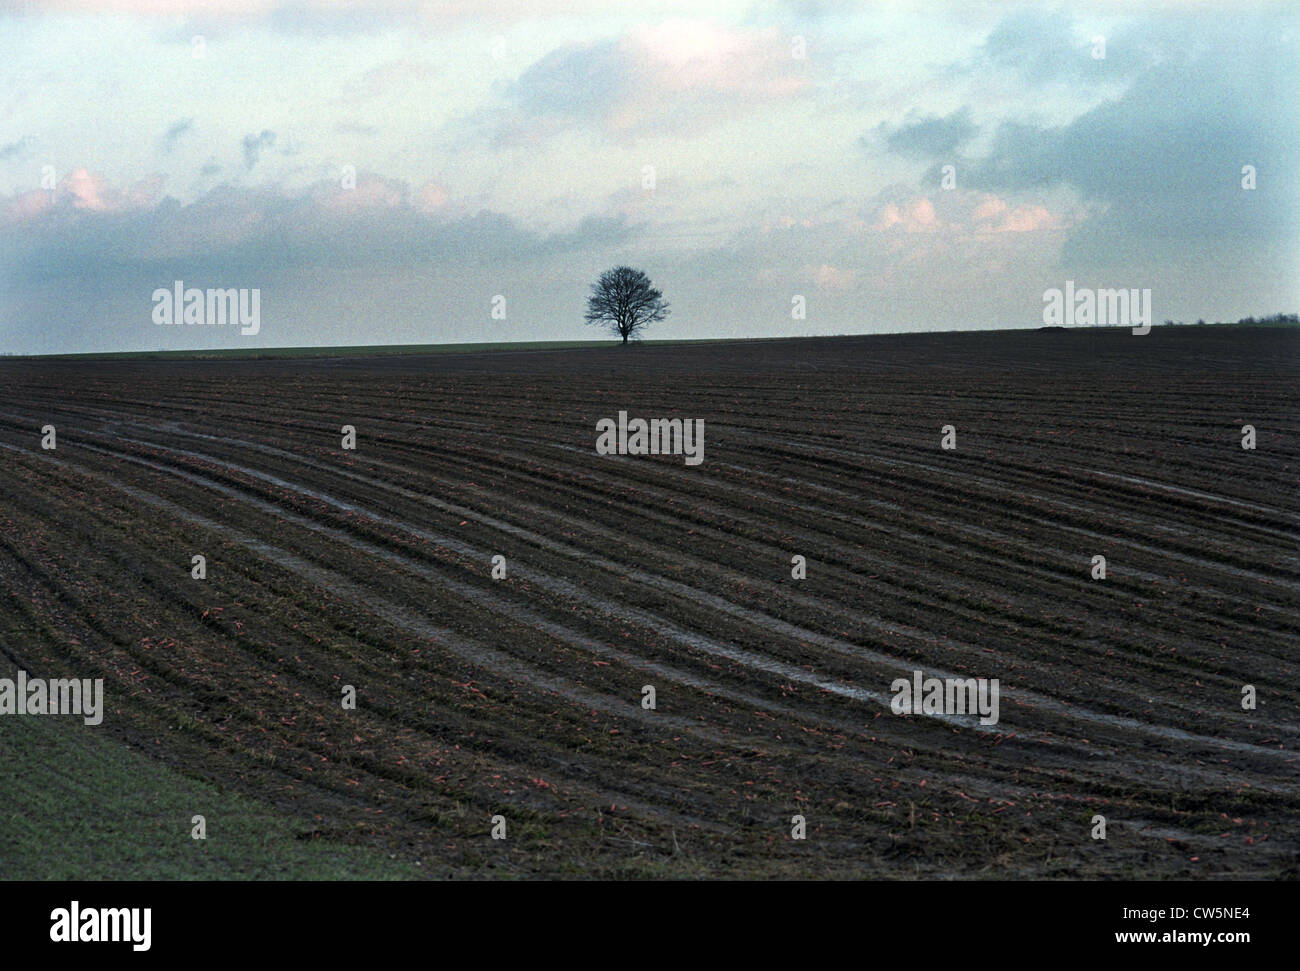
[623, 301]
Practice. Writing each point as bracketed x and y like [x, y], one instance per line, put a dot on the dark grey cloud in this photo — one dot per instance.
[1050, 45]
[173, 134]
[632, 86]
[1035, 42]
[1160, 165]
[358, 266]
[248, 230]
[253, 145]
[13, 151]
[576, 83]
[929, 137]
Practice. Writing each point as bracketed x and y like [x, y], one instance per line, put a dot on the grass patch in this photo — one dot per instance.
[81, 806]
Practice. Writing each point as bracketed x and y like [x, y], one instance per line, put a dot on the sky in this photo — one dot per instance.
[390, 172]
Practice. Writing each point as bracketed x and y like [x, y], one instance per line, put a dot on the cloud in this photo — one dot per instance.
[958, 214]
[25, 206]
[1051, 46]
[370, 192]
[173, 134]
[679, 76]
[83, 190]
[916, 216]
[995, 215]
[929, 137]
[431, 197]
[572, 85]
[829, 277]
[944, 259]
[1034, 42]
[14, 150]
[401, 74]
[1161, 171]
[385, 262]
[92, 227]
[253, 145]
[355, 128]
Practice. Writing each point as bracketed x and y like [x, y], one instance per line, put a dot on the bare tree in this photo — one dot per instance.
[624, 301]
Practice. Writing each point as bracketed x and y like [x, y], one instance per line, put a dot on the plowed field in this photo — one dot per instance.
[522, 696]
